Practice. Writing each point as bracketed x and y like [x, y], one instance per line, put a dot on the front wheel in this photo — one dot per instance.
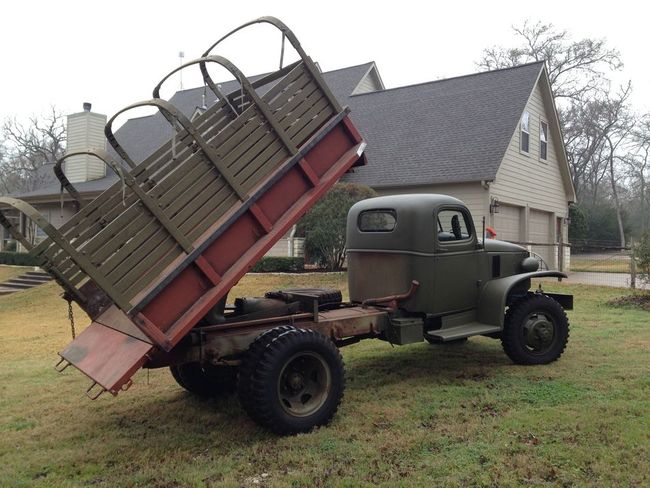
[536, 330]
[296, 383]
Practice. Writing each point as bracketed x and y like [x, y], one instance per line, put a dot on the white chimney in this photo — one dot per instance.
[85, 131]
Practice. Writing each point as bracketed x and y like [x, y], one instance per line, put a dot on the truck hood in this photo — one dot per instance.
[494, 245]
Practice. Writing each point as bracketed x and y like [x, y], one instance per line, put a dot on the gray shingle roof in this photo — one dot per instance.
[451, 130]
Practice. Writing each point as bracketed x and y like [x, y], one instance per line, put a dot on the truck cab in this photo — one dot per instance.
[465, 282]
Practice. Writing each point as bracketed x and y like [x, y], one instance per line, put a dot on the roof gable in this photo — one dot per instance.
[371, 81]
[451, 130]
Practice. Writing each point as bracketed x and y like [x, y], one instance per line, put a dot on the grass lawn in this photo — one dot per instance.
[416, 415]
[615, 263]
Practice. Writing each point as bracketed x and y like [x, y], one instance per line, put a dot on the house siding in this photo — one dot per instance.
[525, 180]
[534, 185]
[368, 83]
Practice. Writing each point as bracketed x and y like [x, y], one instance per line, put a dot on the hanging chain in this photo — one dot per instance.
[71, 319]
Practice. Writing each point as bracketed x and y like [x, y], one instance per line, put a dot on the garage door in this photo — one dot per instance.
[507, 223]
[540, 232]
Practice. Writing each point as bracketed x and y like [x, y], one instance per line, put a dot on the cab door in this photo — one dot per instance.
[456, 261]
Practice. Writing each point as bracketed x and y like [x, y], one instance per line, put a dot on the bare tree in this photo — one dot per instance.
[637, 161]
[27, 147]
[596, 123]
[575, 68]
[615, 137]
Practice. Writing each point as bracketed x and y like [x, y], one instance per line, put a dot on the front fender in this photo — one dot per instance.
[494, 294]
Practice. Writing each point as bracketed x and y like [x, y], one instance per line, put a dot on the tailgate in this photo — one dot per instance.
[107, 354]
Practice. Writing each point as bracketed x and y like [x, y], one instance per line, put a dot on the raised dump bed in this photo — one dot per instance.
[149, 257]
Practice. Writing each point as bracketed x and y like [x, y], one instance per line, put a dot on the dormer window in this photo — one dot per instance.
[525, 132]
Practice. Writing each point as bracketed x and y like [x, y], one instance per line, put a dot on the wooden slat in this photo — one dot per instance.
[271, 97]
[300, 112]
[304, 133]
[307, 117]
[175, 183]
[243, 152]
[161, 162]
[233, 142]
[124, 265]
[215, 114]
[200, 171]
[292, 91]
[228, 131]
[270, 157]
[69, 228]
[203, 176]
[251, 153]
[153, 266]
[197, 229]
[196, 211]
[128, 271]
[305, 93]
[110, 259]
[93, 223]
[105, 238]
[214, 192]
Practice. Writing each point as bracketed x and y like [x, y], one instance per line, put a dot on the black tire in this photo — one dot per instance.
[536, 330]
[295, 384]
[205, 380]
[251, 359]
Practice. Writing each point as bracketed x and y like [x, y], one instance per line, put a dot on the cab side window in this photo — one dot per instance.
[452, 226]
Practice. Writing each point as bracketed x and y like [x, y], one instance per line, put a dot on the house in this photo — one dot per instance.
[491, 139]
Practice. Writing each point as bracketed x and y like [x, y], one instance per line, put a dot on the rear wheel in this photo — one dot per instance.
[296, 383]
[536, 330]
[205, 380]
[251, 360]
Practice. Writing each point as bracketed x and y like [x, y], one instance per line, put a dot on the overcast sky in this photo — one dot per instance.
[113, 53]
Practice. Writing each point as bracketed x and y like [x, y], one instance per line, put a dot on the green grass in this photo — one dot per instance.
[615, 263]
[416, 415]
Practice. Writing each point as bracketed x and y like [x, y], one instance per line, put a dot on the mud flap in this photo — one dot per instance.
[107, 356]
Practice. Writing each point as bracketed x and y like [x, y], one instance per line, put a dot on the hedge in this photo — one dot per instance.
[272, 264]
[18, 259]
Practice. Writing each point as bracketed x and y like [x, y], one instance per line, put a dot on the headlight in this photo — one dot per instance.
[528, 265]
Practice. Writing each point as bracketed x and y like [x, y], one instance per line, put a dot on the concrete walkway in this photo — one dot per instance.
[24, 282]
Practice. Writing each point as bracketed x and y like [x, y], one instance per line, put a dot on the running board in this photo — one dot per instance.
[462, 331]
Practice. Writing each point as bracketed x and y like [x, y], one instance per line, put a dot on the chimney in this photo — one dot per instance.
[85, 130]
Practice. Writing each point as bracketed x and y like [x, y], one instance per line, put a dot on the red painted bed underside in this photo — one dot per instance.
[110, 357]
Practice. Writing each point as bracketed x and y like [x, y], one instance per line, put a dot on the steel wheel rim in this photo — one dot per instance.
[539, 332]
[304, 384]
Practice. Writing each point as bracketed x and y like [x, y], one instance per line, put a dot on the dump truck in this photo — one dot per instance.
[152, 259]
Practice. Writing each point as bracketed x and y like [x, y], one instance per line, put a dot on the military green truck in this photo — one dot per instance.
[152, 259]
[417, 271]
